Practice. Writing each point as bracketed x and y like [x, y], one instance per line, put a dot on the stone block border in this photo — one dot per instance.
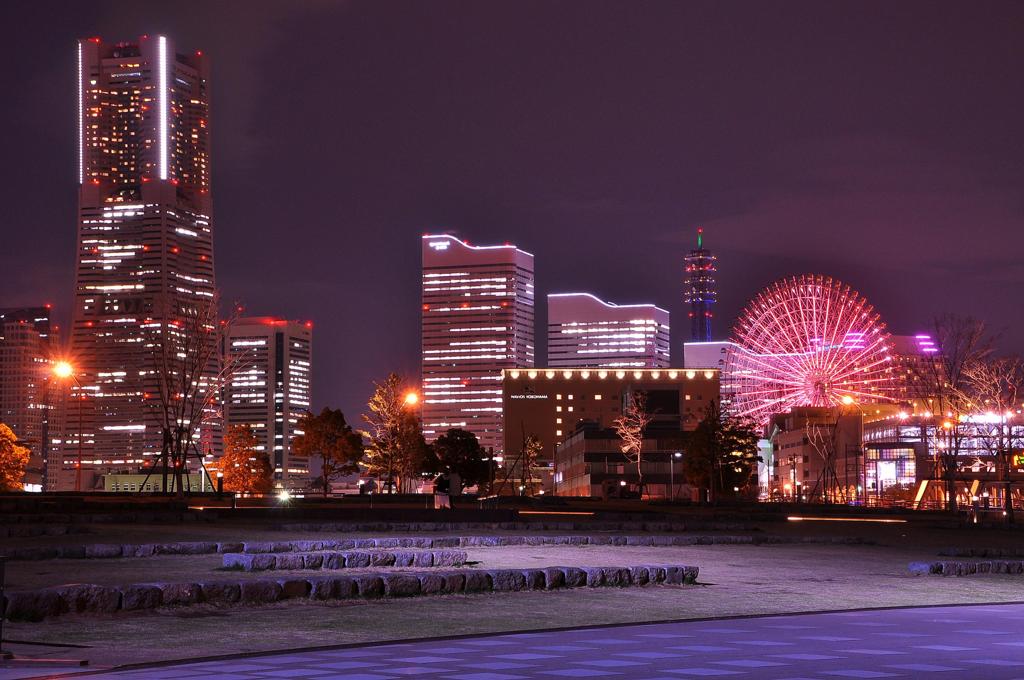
[114, 550]
[349, 559]
[968, 568]
[981, 552]
[35, 605]
[59, 524]
[537, 525]
[36, 530]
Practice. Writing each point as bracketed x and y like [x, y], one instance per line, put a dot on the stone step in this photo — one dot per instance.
[956, 568]
[36, 605]
[112, 550]
[349, 559]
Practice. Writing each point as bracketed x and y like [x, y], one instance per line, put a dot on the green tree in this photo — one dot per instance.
[245, 469]
[13, 460]
[330, 438]
[459, 451]
[721, 454]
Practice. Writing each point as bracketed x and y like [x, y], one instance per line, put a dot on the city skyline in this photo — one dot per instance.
[869, 202]
[662, 338]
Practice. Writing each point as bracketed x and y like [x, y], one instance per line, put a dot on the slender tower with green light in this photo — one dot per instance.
[700, 289]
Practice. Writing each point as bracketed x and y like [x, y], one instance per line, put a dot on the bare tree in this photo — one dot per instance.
[191, 376]
[997, 388]
[941, 383]
[394, 434]
[630, 427]
[532, 448]
[823, 438]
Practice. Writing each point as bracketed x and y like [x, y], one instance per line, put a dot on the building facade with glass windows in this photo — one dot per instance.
[477, 320]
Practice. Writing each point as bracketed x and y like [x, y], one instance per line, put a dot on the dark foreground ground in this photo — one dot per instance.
[945, 642]
[734, 581]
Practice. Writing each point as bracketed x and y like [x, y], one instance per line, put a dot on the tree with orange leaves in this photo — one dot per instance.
[245, 469]
[13, 460]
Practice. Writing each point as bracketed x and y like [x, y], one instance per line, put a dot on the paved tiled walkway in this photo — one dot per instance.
[945, 642]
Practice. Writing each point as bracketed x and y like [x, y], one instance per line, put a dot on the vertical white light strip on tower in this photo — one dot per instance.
[162, 58]
[81, 122]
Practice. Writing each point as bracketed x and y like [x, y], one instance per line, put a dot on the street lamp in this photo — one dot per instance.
[672, 473]
[848, 400]
[411, 398]
[64, 370]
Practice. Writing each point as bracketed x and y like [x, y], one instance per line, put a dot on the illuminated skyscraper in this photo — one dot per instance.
[25, 399]
[700, 289]
[270, 389]
[145, 241]
[585, 332]
[478, 316]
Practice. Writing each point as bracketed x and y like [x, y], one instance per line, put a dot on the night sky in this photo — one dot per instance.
[876, 142]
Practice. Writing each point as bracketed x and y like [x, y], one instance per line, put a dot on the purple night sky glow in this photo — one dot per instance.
[879, 143]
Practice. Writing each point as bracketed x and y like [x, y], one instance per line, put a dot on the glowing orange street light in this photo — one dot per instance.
[411, 398]
[63, 369]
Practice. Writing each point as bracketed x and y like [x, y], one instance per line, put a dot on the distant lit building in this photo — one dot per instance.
[711, 354]
[586, 332]
[25, 359]
[477, 319]
[145, 242]
[816, 454]
[551, 404]
[590, 463]
[903, 454]
[271, 362]
[154, 483]
[915, 361]
[700, 289]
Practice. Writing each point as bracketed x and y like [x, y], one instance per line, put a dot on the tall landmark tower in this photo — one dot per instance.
[144, 257]
[700, 289]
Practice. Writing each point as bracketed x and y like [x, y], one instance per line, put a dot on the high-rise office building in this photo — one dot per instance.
[145, 241]
[477, 319]
[269, 388]
[586, 332]
[700, 289]
[25, 399]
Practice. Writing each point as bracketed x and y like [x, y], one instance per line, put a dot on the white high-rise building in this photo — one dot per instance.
[26, 343]
[270, 388]
[586, 332]
[477, 319]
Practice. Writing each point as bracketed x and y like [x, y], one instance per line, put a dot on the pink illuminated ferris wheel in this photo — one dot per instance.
[807, 341]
